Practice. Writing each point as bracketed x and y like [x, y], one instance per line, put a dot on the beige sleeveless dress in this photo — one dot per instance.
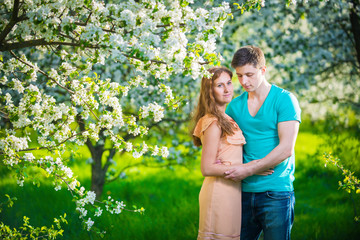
[220, 199]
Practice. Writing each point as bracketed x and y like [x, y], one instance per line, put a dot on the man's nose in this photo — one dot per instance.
[243, 80]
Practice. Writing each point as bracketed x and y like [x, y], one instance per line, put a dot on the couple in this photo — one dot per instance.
[251, 140]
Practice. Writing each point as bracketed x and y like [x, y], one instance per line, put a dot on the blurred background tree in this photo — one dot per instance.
[311, 47]
[99, 74]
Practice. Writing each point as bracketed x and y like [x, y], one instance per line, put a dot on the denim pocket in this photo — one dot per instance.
[279, 195]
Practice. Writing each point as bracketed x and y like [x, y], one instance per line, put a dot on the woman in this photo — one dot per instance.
[222, 142]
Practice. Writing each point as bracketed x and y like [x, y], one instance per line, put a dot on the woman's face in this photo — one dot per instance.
[223, 89]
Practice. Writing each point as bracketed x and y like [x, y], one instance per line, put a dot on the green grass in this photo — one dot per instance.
[322, 211]
[171, 202]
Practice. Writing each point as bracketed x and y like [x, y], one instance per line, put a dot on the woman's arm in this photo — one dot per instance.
[210, 144]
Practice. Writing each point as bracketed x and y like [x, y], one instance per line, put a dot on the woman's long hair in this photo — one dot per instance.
[207, 104]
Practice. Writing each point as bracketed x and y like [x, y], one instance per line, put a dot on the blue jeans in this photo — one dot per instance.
[271, 212]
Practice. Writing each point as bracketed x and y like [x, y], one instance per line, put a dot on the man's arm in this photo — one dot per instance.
[287, 131]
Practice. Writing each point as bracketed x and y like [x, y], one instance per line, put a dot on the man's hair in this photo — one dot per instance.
[248, 55]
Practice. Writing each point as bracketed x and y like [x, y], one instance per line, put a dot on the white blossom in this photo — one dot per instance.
[90, 197]
[71, 93]
[128, 146]
[8, 99]
[68, 172]
[83, 212]
[119, 207]
[136, 154]
[145, 148]
[3, 80]
[98, 212]
[164, 152]
[20, 182]
[18, 86]
[73, 184]
[89, 223]
[29, 157]
[81, 191]
[155, 151]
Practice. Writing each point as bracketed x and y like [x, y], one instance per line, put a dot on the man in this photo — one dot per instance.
[269, 118]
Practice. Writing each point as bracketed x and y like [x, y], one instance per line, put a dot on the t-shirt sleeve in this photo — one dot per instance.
[230, 110]
[289, 109]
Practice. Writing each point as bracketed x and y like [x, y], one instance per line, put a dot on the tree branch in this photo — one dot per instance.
[168, 25]
[43, 42]
[345, 100]
[42, 72]
[342, 100]
[153, 61]
[6, 115]
[13, 21]
[49, 149]
[35, 43]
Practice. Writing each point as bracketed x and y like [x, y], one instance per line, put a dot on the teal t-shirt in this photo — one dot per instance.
[261, 134]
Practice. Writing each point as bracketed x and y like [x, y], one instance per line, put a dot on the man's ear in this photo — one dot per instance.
[263, 70]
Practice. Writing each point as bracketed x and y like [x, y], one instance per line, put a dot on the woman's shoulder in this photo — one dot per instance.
[208, 117]
[207, 120]
[204, 123]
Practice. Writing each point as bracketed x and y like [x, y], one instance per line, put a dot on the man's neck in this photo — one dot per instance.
[261, 92]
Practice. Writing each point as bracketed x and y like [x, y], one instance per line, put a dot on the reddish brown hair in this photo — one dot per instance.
[207, 104]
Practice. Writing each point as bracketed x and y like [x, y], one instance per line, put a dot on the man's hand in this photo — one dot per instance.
[243, 171]
[266, 172]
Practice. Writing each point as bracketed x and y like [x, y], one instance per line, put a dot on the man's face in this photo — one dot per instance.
[250, 77]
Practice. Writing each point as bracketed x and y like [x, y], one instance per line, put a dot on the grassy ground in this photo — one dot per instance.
[171, 202]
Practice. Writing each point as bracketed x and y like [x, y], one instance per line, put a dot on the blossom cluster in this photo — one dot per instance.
[152, 108]
[55, 100]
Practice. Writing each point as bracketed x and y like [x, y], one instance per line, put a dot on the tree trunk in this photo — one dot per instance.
[97, 172]
[355, 28]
